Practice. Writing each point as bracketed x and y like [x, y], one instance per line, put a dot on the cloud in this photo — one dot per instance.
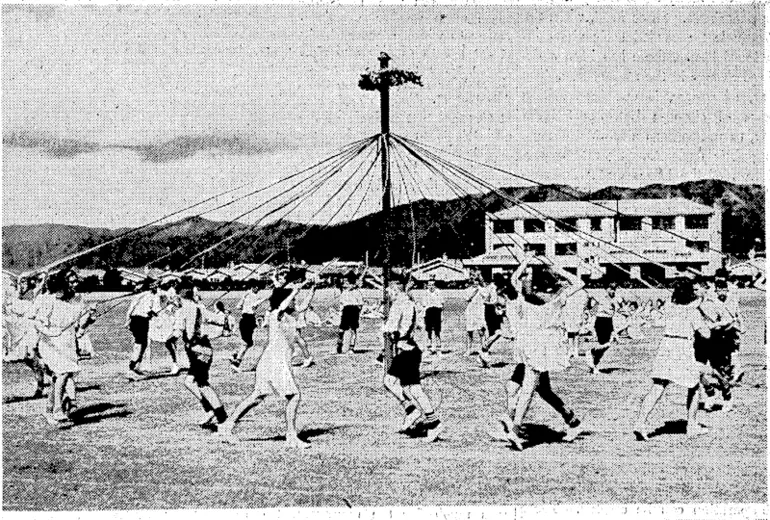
[53, 146]
[166, 151]
[187, 146]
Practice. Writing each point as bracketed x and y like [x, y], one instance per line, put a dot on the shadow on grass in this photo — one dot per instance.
[153, 375]
[22, 398]
[305, 435]
[435, 373]
[670, 428]
[96, 412]
[612, 370]
[536, 434]
[87, 388]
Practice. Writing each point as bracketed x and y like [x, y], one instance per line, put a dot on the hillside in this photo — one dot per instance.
[453, 227]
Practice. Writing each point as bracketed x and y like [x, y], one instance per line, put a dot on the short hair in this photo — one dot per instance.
[57, 282]
[684, 292]
[278, 296]
[220, 306]
[398, 276]
[187, 292]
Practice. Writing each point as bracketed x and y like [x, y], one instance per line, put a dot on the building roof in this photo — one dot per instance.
[441, 269]
[559, 209]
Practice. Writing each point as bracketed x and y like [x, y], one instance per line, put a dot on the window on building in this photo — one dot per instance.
[566, 224]
[662, 222]
[696, 222]
[596, 224]
[630, 223]
[538, 249]
[698, 245]
[503, 226]
[566, 249]
[533, 225]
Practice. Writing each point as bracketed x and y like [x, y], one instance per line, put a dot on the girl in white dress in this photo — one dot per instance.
[675, 361]
[541, 333]
[60, 324]
[22, 336]
[161, 329]
[474, 314]
[273, 374]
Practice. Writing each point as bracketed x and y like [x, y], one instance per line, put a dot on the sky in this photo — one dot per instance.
[117, 116]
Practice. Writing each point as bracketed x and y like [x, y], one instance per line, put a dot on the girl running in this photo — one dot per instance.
[59, 325]
[162, 324]
[21, 331]
[474, 315]
[675, 361]
[273, 373]
[142, 308]
[542, 347]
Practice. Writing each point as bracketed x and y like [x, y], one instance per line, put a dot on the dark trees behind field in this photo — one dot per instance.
[427, 229]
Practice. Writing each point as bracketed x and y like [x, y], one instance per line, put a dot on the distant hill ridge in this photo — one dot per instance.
[453, 227]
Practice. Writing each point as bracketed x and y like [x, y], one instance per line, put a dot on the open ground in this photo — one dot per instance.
[135, 445]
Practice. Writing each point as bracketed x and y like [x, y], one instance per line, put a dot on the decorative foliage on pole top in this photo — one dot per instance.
[385, 77]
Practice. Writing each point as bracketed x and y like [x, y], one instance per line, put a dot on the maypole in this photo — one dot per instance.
[382, 80]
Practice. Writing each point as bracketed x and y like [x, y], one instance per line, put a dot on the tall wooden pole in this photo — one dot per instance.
[386, 227]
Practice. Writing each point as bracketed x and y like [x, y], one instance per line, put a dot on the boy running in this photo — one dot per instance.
[403, 378]
[434, 306]
[248, 305]
[351, 302]
[187, 326]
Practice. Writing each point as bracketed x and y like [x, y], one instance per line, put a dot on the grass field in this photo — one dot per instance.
[136, 445]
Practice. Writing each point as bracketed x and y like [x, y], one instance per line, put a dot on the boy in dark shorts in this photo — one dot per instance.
[187, 326]
[142, 308]
[727, 340]
[403, 378]
[434, 306]
[351, 302]
[248, 305]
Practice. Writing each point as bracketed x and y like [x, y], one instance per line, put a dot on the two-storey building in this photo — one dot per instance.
[655, 238]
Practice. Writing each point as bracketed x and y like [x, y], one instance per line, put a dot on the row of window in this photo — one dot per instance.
[565, 225]
[570, 248]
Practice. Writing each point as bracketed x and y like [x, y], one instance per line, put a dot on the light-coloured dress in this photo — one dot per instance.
[58, 345]
[541, 336]
[273, 373]
[573, 310]
[19, 328]
[675, 360]
[511, 330]
[474, 312]
[162, 325]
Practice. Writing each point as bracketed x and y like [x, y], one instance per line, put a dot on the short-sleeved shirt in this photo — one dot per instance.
[249, 303]
[489, 294]
[352, 297]
[401, 319]
[682, 321]
[606, 305]
[189, 319]
[143, 304]
[433, 299]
